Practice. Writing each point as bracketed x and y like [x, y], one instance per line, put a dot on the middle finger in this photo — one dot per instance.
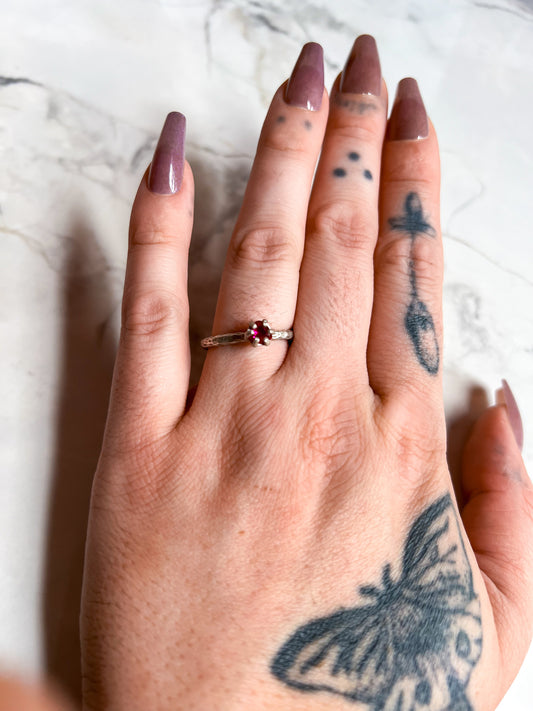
[336, 279]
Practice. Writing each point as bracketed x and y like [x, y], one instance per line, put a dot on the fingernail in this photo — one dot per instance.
[166, 170]
[408, 118]
[505, 396]
[306, 84]
[362, 71]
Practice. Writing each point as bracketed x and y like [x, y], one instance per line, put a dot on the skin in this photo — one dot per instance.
[296, 474]
[22, 696]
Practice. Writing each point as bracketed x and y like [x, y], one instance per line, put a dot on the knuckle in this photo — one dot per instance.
[351, 129]
[150, 236]
[329, 433]
[286, 143]
[354, 111]
[149, 313]
[427, 261]
[261, 246]
[416, 456]
[417, 171]
[340, 222]
[418, 444]
[424, 255]
[393, 252]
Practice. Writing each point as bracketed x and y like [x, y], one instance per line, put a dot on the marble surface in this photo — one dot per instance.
[84, 89]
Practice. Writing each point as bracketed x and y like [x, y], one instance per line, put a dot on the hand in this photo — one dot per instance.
[291, 541]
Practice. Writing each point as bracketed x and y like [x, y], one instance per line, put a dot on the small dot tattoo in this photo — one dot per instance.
[281, 119]
[367, 174]
[339, 172]
[308, 125]
[353, 156]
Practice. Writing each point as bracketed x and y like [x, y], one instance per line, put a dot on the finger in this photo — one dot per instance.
[405, 341]
[498, 518]
[23, 696]
[260, 277]
[152, 368]
[336, 283]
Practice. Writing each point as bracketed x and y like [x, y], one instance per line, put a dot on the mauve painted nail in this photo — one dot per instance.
[513, 413]
[408, 118]
[306, 84]
[362, 71]
[166, 170]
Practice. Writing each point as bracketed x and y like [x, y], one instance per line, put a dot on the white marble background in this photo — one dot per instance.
[84, 88]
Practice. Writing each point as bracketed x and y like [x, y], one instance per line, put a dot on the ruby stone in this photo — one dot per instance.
[260, 331]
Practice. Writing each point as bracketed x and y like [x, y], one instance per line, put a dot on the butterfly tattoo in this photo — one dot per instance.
[411, 643]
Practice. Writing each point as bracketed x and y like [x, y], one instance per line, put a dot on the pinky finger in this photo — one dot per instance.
[153, 363]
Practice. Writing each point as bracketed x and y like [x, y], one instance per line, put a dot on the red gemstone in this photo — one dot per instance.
[260, 333]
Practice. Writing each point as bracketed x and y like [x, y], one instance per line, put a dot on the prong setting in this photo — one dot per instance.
[259, 333]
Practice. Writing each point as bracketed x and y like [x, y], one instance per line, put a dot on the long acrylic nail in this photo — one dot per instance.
[306, 84]
[505, 397]
[362, 71]
[408, 118]
[166, 171]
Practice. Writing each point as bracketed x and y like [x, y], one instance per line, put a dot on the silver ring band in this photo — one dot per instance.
[258, 333]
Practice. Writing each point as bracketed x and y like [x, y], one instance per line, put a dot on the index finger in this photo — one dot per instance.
[153, 362]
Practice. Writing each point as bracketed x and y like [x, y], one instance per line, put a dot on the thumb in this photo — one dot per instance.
[498, 518]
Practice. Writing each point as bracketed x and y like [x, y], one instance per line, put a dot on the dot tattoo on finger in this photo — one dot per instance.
[354, 157]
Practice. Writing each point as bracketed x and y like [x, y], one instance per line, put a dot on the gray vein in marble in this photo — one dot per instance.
[447, 234]
[522, 15]
[219, 154]
[277, 17]
[56, 264]
[485, 256]
[34, 246]
[7, 81]
[138, 159]
[263, 19]
[475, 337]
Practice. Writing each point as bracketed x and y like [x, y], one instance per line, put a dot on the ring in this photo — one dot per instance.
[258, 333]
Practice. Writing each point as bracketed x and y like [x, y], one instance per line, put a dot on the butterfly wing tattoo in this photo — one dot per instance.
[412, 643]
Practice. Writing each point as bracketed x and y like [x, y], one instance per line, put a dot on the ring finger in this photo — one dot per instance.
[260, 277]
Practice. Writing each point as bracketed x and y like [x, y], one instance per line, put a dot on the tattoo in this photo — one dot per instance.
[359, 106]
[418, 321]
[412, 644]
[281, 119]
[308, 125]
[354, 157]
